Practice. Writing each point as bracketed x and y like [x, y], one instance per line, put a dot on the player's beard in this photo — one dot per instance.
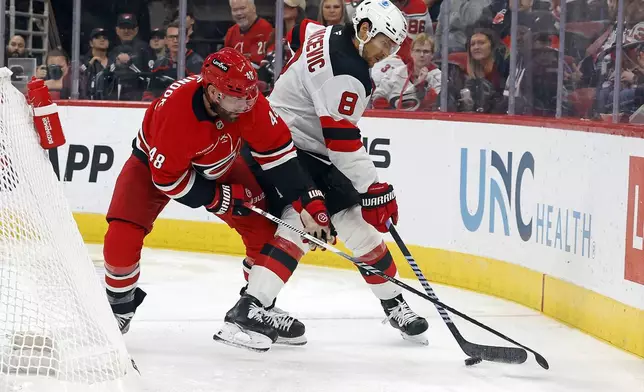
[219, 111]
[226, 115]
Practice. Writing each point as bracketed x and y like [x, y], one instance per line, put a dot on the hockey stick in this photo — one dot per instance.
[368, 268]
[488, 353]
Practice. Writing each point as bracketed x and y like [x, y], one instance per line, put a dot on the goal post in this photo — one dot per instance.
[57, 332]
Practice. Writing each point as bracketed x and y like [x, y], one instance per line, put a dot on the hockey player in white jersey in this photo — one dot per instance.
[321, 95]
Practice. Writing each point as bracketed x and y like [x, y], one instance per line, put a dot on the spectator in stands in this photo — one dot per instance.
[190, 24]
[633, 26]
[195, 41]
[536, 78]
[434, 8]
[631, 94]
[418, 18]
[414, 86]
[16, 50]
[96, 60]
[190, 21]
[138, 51]
[121, 80]
[578, 10]
[250, 33]
[487, 72]
[500, 11]
[16, 47]
[464, 14]
[157, 44]
[293, 13]
[58, 77]
[165, 69]
[97, 55]
[332, 12]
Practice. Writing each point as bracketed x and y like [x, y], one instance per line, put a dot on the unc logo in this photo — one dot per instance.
[385, 4]
[220, 125]
[249, 75]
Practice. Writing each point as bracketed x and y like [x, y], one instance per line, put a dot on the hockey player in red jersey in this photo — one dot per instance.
[188, 150]
[321, 95]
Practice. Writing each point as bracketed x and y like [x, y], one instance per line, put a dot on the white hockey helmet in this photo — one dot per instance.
[385, 18]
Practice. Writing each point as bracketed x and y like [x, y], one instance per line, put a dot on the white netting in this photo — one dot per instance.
[57, 332]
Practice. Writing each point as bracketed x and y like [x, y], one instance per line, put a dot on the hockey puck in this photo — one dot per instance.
[472, 361]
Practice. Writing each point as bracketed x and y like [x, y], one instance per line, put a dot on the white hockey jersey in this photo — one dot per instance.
[384, 68]
[403, 93]
[321, 95]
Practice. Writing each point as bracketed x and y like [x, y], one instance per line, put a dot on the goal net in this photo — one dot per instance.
[57, 332]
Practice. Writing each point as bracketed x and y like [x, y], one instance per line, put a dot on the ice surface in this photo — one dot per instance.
[349, 348]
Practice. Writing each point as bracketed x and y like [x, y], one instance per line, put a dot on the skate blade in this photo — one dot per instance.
[233, 335]
[298, 341]
[417, 339]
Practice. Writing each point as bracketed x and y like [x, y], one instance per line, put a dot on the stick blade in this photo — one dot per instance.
[513, 355]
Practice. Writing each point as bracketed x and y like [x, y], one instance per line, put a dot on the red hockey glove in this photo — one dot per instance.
[229, 200]
[46, 120]
[315, 217]
[378, 205]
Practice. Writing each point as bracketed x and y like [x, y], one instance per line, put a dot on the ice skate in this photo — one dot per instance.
[289, 329]
[246, 325]
[412, 327]
[124, 307]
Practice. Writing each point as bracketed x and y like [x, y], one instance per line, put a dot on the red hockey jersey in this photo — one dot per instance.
[252, 43]
[187, 148]
[418, 19]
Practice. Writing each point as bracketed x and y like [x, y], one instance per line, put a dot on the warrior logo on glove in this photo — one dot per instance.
[379, 205]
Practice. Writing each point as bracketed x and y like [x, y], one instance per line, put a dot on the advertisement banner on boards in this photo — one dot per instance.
[558, 202]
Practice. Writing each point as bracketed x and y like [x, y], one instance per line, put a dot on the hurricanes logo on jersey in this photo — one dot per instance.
[249, 75]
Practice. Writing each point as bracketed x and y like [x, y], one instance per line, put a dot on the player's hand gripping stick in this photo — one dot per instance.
[229, 200]
[379, 205]
[315, 218]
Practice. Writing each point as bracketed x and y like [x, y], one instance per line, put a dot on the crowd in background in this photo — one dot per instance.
[126, 56]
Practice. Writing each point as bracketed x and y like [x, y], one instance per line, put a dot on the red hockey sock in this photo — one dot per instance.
[122, 252]
[380, 258]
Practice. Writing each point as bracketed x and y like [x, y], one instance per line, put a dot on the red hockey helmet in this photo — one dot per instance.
[234, 78]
